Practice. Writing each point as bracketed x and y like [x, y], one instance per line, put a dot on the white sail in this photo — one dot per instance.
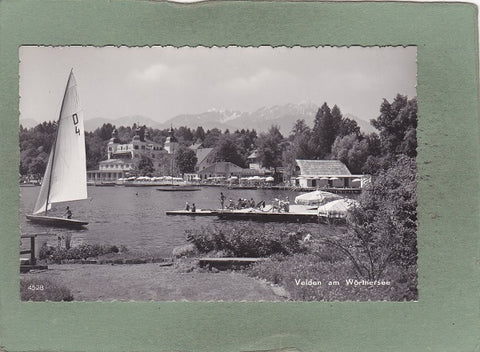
[66, 175]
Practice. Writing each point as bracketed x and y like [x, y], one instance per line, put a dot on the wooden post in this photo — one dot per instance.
[33, 260]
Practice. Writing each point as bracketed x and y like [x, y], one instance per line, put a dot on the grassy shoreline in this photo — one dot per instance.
[301, 262]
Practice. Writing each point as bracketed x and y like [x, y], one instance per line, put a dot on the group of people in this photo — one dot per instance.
[279, 205]
[244, 203]
[192, 208]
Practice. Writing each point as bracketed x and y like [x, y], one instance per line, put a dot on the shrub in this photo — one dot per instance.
[184, 251]
[83, 251]
[287, 271]
[382, 229]
[246, 240]
[36, 289]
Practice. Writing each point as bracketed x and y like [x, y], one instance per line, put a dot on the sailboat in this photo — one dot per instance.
[65, 176]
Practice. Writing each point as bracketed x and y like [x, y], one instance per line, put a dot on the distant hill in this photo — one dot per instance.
[93, 124]
[283, 116]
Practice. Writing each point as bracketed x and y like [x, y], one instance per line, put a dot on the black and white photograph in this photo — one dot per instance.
[218, 173]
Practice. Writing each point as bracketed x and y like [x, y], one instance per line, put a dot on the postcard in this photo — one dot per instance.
[220, 165]
[273, 184]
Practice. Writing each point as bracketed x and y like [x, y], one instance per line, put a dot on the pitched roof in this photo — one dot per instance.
[222, 167]
[253, 155]
[202, 153]
[322, 167]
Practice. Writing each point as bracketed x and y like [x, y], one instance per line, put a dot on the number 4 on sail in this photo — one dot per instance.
[65, 176]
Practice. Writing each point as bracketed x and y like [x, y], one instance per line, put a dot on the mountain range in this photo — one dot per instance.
[283, 116]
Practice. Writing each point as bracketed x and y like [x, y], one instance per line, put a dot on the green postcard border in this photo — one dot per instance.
[446, 317]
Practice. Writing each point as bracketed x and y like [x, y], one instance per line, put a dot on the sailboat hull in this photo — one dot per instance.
[56, 221]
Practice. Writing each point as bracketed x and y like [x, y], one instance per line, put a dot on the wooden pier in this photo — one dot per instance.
[266, 216]
[198, 212]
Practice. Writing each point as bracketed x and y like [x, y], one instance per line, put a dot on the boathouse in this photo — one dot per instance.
[325, 174]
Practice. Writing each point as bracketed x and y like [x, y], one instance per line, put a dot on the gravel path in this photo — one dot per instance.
[146, 282]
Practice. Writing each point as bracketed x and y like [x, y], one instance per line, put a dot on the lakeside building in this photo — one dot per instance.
[254, 161]
[122, 158]
[205, 158]
[326, 174]
[227, 169]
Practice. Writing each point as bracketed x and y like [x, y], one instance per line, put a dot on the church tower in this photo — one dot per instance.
[171, 143]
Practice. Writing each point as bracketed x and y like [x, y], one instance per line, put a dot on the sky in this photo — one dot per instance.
[162, 82]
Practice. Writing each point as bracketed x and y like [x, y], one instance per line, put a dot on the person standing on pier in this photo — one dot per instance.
[222, 199]
[286, 205]
[68, 213]
[187, 206]
[194, 208]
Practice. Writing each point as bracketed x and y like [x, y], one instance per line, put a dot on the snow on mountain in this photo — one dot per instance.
[261, 119]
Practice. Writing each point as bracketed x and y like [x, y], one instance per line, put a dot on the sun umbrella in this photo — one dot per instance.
[316, 198]
[337, 208]
[269, 179]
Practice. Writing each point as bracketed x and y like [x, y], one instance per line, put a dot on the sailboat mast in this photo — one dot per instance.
[55, 141]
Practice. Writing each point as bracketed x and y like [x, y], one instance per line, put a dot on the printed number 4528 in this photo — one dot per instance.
[36, 287]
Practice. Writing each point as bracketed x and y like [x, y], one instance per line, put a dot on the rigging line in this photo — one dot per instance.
[55, 142]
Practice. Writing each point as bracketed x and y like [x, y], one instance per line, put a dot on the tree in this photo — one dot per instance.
[348, 126]
[184, 135]
[200, 134]
[324, 131]
[300, 127]
[230, 149]
[38, 165]
[185, 159]
[145, 166]
[397, 124]
[381, 232]
[246, 140]
[96, 149]
[269, 147]
[105, 132]
[211, 137]
[352, 151]
[35, 144]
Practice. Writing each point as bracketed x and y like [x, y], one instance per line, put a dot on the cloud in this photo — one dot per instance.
[152, 73]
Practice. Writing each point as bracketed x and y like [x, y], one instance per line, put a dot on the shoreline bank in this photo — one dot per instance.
[153, 282]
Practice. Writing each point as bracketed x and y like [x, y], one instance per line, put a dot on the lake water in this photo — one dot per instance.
[135, 216]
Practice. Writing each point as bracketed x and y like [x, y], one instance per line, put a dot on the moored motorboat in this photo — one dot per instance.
[178, 189]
